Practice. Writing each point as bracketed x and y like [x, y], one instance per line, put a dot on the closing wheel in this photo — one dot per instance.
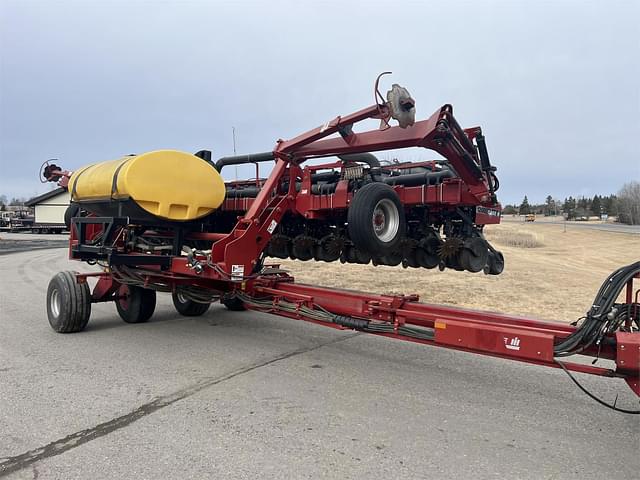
[474, 255]
[68, 303]
[234, 304]
[392, 259]
[135, 304]
[187, 307]
[355, 255]
[279, 246]
[376, 219]
[329, 248]
[427, 251]
[303, 247]
[495, 264]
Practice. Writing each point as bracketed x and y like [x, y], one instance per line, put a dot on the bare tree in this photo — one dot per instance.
[629, 203]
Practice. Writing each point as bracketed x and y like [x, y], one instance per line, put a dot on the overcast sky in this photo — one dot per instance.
[554, 85]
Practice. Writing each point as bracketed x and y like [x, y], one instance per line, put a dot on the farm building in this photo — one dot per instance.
[49, 209]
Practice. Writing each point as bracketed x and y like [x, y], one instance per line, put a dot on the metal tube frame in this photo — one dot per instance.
[487, 333]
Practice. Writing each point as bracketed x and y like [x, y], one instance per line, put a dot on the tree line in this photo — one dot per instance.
[15, 201]
[625, 205]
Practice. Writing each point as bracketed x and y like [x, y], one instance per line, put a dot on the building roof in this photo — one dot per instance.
[45, 196]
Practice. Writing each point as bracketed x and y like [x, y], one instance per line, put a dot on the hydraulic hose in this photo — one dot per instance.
[598, 322]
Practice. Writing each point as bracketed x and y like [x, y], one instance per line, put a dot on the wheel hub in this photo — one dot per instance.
[123, 297]
[55, 303]
[385, 220]
[181, 297]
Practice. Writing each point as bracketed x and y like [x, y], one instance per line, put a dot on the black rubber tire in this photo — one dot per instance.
[392, 259]
[303, 247]
[187, 307]
[72, 211]
[498, 265]
[355, 255]
[234, 304]
[139, 304]
[427, 252]
[360, 214]
[279, 246]
[495, 265]
[68, 303]
[329, 248]
[474, 255]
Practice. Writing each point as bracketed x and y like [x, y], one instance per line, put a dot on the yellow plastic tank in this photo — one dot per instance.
[168, 184]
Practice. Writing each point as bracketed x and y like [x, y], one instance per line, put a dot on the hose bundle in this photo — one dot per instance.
[604, 316]
[316, 312]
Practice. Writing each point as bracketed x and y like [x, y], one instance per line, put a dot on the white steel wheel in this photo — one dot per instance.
[54, 303]
[385, 220]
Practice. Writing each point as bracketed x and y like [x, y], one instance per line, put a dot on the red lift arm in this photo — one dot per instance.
[440, 133]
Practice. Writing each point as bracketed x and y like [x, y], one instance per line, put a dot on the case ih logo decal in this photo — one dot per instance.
[512, 344]
[492, 212]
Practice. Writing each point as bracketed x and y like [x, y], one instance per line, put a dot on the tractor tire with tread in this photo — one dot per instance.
[234, 304]
[187, 307]
[376, 220]
[68, 303]
[72, 211]
[139, 305]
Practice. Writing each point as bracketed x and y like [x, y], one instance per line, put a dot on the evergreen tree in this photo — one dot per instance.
[596, 206]
[611, 205]
[525, 208]
[569, 208]
[583, 204]
[549, 205]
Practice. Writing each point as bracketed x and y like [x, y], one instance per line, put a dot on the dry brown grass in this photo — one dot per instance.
[515, 238]
[556, 281]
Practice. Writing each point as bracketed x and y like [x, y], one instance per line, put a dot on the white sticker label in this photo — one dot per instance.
[512, 344]
[272, 226]
[237, 272]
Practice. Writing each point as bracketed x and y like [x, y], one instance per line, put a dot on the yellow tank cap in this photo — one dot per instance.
[169, 184]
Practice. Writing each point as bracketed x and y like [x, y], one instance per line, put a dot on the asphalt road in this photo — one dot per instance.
[246, 395]
[592, 225]
[21, 242]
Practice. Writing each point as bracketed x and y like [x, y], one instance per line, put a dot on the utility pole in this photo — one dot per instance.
[233, 132]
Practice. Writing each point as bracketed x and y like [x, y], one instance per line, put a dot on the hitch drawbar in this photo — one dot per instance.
[516, 338]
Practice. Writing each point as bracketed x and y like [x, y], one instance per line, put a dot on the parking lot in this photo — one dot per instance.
[247, 395]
